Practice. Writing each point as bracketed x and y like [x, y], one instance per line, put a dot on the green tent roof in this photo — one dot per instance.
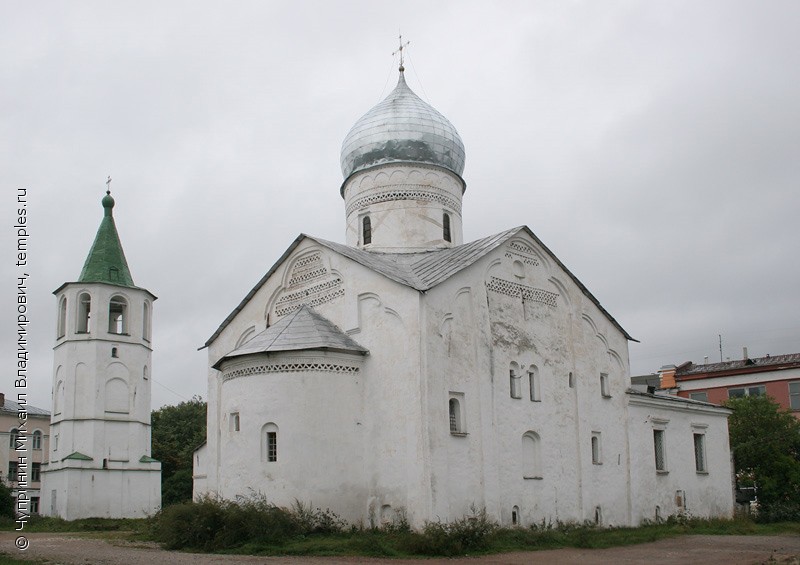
[106, 261]
[78, 456]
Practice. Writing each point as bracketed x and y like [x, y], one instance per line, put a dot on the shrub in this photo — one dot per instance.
[212, 524]
[470, 533]
[190, 525]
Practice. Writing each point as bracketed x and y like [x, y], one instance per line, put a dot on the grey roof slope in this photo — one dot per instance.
[420, 271]
[11, 407]
[770, 362]
[676, 399]
[301, 330]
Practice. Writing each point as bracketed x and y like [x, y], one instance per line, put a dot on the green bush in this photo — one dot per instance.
[468, 534]
[213, 524]
[6, 502]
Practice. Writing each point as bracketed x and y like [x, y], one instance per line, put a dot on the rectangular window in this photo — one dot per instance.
[597, 449]
[604, 390]
[12, 471]
[34, 505]
[794, 395]
[699, 395]
[272, 446]
[660, 450]
[700, 453]
[234, 421]
[739, 392]
[36, 472]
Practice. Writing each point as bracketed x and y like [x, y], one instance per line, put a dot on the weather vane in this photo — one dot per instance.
[400, 50]
[108, 185]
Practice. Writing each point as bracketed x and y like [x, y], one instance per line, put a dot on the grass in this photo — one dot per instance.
[257, 528]
[7, 560]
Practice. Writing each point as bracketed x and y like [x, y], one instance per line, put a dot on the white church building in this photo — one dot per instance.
[409, 371]
[99, 453]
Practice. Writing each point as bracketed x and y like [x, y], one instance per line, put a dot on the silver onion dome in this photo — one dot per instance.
[402, 128]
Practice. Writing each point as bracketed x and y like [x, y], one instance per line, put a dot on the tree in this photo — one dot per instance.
[765, 441]
[177, 432]
[6, 502]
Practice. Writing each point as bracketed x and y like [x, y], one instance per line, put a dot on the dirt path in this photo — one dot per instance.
[66, 549]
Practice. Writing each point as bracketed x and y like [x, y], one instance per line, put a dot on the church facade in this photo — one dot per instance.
[408, 371]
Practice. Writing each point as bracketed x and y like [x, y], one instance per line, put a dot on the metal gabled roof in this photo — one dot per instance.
[424, 270]
[303, 329]
[421, 271]
[11, 407]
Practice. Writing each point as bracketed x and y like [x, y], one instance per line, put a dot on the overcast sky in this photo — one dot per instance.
[653, 146]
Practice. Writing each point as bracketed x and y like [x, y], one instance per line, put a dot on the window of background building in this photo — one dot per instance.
[758, 390]
[794, 395]
[699, 395]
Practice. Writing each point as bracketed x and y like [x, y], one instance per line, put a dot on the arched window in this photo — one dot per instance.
[145, 373]
[446, 227]
[515, 516]
[36, 442]
[366, 230]
[597, 449]
[62, 317]
[455, 415]
[116, 400]
[515, 382]
[84, 313]
[533, 379]
[146, 321]
[531, 458]
[13, 437]
[58, 397]
[118, 316]
[269, 443]
[571, 380]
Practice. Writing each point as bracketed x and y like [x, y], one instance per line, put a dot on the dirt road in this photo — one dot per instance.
[66, 549]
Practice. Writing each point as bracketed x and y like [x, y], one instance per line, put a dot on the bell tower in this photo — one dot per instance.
[100, 463]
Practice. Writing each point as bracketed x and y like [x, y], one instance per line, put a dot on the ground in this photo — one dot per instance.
[67, 549]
